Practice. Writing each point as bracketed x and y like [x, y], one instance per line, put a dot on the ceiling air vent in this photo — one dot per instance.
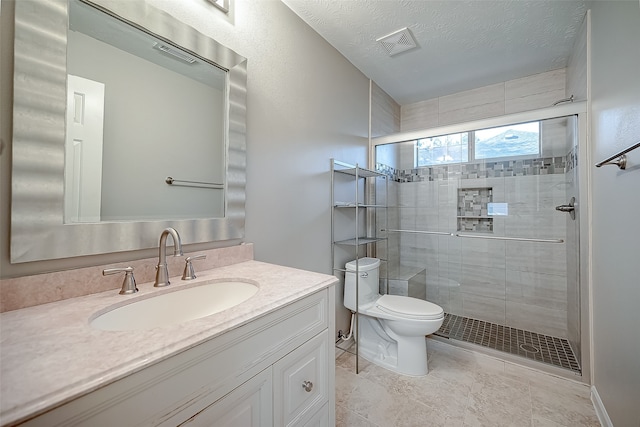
[398, 41]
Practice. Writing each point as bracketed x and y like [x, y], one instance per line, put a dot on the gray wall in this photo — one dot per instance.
[615, 98]
[305, 104]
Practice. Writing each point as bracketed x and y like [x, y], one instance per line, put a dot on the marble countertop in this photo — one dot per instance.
[50, 355]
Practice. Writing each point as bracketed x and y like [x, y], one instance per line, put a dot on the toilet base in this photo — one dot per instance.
[381, 346]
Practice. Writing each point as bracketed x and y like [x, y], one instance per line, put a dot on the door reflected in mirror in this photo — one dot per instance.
[140, 110]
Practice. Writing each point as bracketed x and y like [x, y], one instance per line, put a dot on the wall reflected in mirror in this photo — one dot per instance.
[139, 110]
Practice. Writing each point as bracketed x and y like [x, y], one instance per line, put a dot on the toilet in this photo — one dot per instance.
[392, 328]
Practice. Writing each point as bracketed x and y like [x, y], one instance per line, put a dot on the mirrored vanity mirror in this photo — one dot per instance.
[126, 121]
[139, 111]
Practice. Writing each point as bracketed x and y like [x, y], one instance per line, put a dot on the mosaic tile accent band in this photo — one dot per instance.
[541, 348]
[504, 168]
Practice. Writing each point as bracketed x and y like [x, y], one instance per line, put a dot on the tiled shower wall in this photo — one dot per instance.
[573, 252]
[576, 83]
[521, 284]
[512, 96]
[517, 283]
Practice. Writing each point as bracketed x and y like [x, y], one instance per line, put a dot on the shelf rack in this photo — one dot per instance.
[363, 196]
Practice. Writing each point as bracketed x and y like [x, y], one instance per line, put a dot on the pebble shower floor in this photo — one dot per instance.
[542, 348]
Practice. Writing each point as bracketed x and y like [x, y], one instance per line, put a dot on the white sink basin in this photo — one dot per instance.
[175, 307]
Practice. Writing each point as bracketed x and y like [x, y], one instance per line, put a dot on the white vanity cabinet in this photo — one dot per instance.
[275, 370]
[301, 381]
[250, 405]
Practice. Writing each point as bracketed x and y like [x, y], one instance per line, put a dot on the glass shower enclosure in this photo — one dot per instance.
[483, 220]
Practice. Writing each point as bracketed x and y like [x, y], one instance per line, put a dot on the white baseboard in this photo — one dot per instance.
[601, 411]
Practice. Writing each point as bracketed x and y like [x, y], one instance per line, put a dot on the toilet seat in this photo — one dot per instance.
[409, 308]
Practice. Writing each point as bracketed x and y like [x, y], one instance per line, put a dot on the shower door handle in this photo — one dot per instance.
[569, 208]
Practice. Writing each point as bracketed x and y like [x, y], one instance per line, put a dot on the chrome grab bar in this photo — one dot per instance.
[622, 159]
[199, 184]
[519, 239]
[443, 233]
[478, 236]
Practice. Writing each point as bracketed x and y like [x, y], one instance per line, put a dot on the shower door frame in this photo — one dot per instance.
[578, 109]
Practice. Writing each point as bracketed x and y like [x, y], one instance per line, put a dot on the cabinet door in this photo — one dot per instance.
[320, 419]
[300, 382]
[249, 405]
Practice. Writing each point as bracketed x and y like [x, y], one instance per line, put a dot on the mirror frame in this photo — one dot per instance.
[38, 231]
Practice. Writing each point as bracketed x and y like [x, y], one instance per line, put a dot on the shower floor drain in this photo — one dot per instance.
[542, 348]
[529, 348]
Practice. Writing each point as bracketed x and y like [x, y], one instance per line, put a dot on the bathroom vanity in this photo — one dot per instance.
[269, 361]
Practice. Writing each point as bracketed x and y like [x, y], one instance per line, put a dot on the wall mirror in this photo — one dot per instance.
[126, 121]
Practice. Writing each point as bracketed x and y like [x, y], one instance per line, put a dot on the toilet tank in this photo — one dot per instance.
[369, 273]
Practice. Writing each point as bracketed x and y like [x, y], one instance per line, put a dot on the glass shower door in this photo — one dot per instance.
[477, 226]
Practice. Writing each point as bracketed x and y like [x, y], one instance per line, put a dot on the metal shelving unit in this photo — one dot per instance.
[363, 194]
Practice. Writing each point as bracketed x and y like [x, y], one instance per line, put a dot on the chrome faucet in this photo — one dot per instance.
[162, 271]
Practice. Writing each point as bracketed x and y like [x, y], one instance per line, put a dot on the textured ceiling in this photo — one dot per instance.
[461, 44]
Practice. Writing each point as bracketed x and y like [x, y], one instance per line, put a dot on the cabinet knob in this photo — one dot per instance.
[307, 386]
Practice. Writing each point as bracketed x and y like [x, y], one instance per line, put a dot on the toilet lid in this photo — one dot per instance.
[364, 264]
[409, 307]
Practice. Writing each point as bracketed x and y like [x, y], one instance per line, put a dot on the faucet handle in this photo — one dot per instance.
[129, 284]
[189, 273]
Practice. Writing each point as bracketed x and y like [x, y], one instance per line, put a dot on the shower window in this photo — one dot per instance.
[508, 141]
[519, 140]
[444, 149]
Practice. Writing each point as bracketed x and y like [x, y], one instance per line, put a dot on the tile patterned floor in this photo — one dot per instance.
[541, 348]
[462, 389]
